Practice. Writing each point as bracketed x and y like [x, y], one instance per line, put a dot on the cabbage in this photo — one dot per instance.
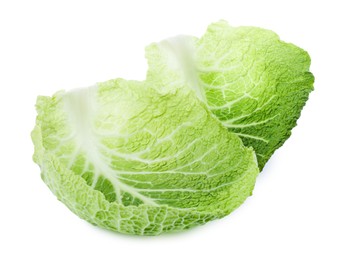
[167, 153]
[254, 83]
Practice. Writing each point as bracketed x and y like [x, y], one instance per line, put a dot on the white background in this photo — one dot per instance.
[297, 210]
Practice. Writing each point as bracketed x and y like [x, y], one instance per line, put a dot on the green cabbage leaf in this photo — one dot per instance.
[129, 158]
[252, 81]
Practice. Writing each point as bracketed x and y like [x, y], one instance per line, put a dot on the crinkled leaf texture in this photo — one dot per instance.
[140, 159]
[167, 154]
[252, 81]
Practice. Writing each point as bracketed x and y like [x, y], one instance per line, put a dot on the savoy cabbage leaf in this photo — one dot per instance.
[127, 157]
[252, 81]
